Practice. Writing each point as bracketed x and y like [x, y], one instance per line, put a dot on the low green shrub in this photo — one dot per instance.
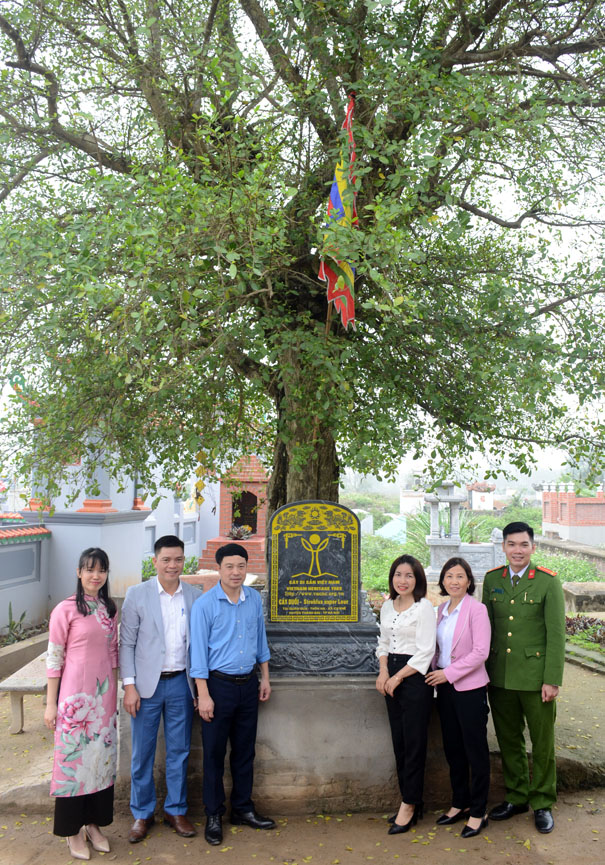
[377, 555]
[531, 516]
[569, 569]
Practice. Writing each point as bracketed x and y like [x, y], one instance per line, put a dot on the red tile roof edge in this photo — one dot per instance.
[22, 532]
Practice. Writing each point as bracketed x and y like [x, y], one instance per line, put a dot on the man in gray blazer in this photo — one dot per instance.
[154, 648]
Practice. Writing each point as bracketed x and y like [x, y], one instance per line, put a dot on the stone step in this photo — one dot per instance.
[590, 660]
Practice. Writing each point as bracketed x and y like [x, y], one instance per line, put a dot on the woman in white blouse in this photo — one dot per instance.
[405, 649]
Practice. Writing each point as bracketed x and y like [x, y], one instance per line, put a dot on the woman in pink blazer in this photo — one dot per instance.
[458, 673]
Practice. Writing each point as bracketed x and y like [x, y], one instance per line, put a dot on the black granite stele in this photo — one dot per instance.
[319, 620]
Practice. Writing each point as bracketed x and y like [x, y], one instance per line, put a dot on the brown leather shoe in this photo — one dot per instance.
[139, 829]
[180, 824]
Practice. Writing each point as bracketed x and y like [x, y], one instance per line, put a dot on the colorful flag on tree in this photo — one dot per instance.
[340, 275]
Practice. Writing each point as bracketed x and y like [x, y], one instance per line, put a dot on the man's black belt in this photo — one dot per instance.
[237, 680]
[171, 674]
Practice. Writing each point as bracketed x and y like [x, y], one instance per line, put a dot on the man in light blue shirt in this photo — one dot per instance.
[228, 640]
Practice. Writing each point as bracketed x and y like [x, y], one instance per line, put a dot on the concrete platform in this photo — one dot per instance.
[322, 745]
[586, 598]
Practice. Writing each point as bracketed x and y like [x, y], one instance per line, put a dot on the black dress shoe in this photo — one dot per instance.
[444, 820]
[467, 832]
[213, 833]
[391, 819]
[506, 810]
[251, 818]
[544, 820]
[398, 829]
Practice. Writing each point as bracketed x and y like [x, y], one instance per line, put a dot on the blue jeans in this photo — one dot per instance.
[172, 700]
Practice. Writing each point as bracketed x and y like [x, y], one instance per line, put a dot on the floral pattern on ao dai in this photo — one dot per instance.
[83, 652]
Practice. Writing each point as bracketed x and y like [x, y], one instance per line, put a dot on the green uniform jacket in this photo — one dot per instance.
[528, 629]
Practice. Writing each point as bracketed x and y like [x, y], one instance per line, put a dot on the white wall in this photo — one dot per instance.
[482, 501]
[410, 501]
[26, 589]
[592, 535]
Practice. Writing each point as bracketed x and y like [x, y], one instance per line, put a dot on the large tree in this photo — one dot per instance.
[165, 169]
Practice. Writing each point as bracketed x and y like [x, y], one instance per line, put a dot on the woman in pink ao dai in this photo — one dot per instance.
[81, 662]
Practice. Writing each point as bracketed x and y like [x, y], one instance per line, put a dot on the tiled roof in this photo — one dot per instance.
[28, 533]
[7, 517]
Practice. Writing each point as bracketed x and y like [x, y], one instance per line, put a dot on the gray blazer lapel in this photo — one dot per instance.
[190, 595]
[156, 609]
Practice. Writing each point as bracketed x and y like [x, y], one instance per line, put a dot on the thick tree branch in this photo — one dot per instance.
[79, 141]
[548, 53]
[471, 29]
[289, 74]
[505, 223]
[563, 301]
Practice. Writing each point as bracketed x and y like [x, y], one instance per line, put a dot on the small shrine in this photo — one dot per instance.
[444, 544]
[242, 505]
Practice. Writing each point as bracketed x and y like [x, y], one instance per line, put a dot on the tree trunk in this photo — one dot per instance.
[317, 478]
[305, 465]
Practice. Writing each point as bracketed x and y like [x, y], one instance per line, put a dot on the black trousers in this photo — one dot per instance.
[73, 812]
[235, 721]
[463, 717]
[409, 711]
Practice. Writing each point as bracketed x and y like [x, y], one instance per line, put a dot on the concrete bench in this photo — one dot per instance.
[30, 679]
[584, 597]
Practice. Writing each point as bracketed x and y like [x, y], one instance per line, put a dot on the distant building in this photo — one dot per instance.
[481, 496]
[573, 518]
[39, 550]
[410, 501]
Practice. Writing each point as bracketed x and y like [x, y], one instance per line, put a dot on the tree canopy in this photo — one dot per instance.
[164, 176]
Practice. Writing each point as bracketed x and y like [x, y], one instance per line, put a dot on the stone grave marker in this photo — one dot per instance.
[318, 618]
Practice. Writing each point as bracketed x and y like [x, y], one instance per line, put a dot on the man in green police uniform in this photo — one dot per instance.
[525, 666]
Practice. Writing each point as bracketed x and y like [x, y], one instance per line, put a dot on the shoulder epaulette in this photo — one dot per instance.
[497, 568]
[546, 570]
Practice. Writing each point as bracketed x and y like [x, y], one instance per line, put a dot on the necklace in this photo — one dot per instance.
[398, 605]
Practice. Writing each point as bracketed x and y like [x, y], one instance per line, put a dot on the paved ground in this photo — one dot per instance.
[26, 837]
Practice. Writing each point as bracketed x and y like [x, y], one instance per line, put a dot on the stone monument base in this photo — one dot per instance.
[318, 649]
[323, 746]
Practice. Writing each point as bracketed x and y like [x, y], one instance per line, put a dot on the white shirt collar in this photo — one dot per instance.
[512, 572]
[162, 590]
[454, 612]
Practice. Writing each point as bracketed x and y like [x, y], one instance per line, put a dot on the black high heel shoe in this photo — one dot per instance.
[444, 820]
[467, 832]
[418, 810]
[398, 829]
